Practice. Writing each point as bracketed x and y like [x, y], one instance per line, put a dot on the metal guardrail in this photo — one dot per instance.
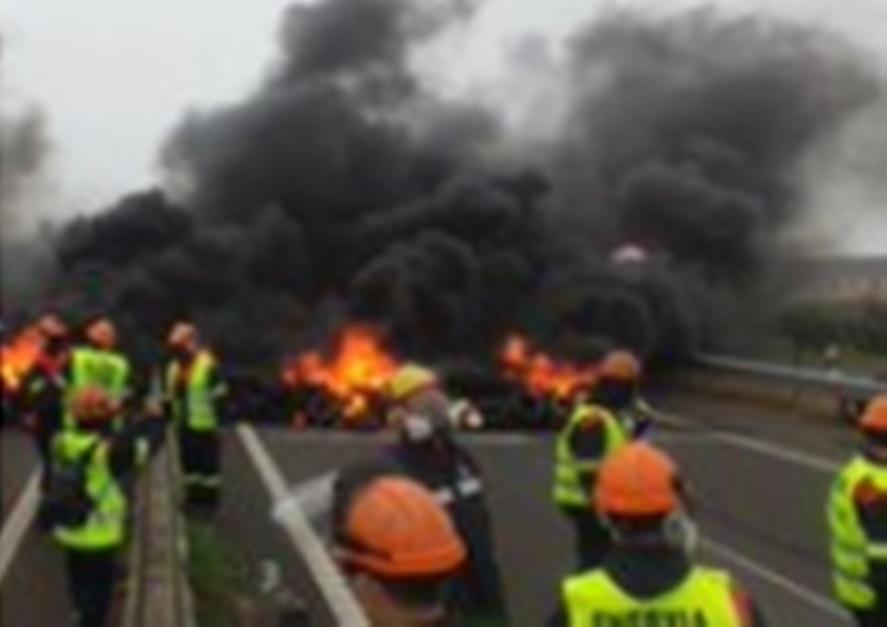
[849, 386]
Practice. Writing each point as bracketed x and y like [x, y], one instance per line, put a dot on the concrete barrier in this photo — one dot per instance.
[160, 594]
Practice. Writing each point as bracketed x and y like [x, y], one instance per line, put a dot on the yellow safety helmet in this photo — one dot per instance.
[409, 380]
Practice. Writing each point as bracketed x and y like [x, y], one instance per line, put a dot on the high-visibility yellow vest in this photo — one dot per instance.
[93, 367]
[196, 410]
[569, 472]
[105, 369]
[704, 599]
[105, 527]
[852, 551]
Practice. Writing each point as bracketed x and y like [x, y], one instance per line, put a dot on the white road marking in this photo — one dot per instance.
[813, 599]
[781, 453]
[503, 439]
[314, 496]
[19, 522]
[761, 447]
[814, 462]
[328, 578]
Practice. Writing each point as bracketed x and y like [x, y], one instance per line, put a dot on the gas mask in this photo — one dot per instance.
[677, 530]
[682, 532]
[417, 429]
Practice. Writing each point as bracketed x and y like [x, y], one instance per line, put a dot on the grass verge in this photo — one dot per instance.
[217, 575]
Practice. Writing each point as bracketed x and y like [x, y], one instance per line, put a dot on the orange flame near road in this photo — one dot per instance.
[357, 371]
[542, 375]
[18, 357]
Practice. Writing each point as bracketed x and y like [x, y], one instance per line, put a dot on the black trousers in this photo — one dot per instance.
[200, 458]
[91, 577]
[593, 540]
[876, 618]
[43, 443]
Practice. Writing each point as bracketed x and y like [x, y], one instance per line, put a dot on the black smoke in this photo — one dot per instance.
[690, 130]
[24, 150]
[345, 188]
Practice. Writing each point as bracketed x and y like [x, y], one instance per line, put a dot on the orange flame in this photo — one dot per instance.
[18, 357]
[356, 372]
[540, 374]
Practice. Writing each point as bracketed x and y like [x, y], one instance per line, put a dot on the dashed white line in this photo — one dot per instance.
[809, 597]
[332, 586]
[503, 439]
[807, 460]
[785, 454]
[761, 447]
[18, 523]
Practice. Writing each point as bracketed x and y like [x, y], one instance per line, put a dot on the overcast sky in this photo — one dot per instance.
[114, 76]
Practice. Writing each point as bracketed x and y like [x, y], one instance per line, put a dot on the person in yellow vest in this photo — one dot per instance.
[618, 389]
[857, 519]
[84, 501]
[99, 363]
[193, 390]
[594, 431]
[649, 577]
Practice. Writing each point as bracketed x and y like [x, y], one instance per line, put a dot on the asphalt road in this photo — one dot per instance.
[33, 590]
[18, 460]
[759, 477]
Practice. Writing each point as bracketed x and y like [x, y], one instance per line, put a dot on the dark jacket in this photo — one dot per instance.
[124, 457]
[42, 395]
[646, 573]
[450, 472]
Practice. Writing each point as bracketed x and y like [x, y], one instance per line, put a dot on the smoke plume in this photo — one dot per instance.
[24, 147]
[346, 188]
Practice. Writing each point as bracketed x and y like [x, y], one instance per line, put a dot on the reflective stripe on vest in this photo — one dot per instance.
[104, 529]
[569, 486]
[851, 550]
[198, 412]
[704, 599]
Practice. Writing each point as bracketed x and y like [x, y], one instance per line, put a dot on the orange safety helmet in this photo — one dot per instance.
[102, 333]
[182, 335]
[620, 365]
[874, 419]
[92, 404]
[394, 528]
[51, 327]
[638, 481]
